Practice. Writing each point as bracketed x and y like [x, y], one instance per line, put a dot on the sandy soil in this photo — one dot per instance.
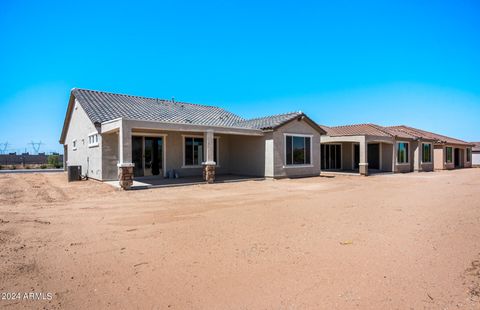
[384, 242]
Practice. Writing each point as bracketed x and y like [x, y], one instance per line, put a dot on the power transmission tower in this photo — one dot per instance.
[3, 147]
[36, 146]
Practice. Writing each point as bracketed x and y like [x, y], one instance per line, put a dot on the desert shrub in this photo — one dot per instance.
[14, 167]
[43, 167]
[54, 161]
[28, 167]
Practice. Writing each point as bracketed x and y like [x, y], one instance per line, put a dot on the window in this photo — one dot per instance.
[469, 154]
[449, 154]
[74, 145]
[194, 151]
[426, 152]
[93, 140]
[402, 152]
[297, 150]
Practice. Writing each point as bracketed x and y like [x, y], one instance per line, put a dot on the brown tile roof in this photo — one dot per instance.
[356, 130]
[366, 130]
[429, 135]
[391, 131]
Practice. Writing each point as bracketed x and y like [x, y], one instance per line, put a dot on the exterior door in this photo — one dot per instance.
[373, 151]
[153, 150]
[137, 156]
[147, 155]
[456, 157]
[331, 156]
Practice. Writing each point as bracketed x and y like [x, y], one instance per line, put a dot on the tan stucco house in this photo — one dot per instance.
[368, 148]
[115, 136]
[449, 153]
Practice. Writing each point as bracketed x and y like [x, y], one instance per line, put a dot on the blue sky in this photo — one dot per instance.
[341, 62]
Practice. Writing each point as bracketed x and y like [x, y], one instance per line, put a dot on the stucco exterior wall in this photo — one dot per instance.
[295, 127]
[387, 157]
[110, 156]
[439, 157]
[90, 158]
[247, 155]
[347, 155]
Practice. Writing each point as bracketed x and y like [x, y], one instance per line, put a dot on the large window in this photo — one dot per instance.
[297, 150]
[426, 152]
[449, 154]
[402, 152]
[195, 151]
[469, 154]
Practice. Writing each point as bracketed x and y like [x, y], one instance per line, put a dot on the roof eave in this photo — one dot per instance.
[68, 116]
[302, 116]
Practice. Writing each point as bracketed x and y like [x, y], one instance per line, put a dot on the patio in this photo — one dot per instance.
[158, 182]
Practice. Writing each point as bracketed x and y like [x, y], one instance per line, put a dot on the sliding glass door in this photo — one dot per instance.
[147, 155]
[331, 156]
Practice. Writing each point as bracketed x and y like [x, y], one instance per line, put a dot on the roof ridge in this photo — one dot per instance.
[382, 129]
[435, 135]
[143, 97]
[273, 115]
[350, 125]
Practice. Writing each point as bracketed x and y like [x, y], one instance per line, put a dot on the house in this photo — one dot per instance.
[449, 153]
[369, 148]
[365, 148]
[476, 154]
[120, 137]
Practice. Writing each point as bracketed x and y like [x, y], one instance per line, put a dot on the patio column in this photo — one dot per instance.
[125, 165]
[363, 165]
[209, 163]
[417, 156]
[394, 157]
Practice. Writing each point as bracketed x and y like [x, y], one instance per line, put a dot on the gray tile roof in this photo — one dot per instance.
[268, 122]
[103, 106]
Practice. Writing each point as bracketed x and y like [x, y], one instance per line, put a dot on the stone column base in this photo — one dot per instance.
[125, 175]
[209, 172]
[363, 168]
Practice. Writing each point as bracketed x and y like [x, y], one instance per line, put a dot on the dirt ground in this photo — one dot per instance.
[384, 242]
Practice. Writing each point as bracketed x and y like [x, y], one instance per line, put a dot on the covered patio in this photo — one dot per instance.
[161, 182]
[362, 155]
[158, 154]
[362, 149]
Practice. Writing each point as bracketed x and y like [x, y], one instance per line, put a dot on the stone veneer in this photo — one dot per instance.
[209, 173]
[125, 175]
[363, 168]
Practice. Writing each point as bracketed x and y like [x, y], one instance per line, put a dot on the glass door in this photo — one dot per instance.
[137, 156]
[153, 150]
